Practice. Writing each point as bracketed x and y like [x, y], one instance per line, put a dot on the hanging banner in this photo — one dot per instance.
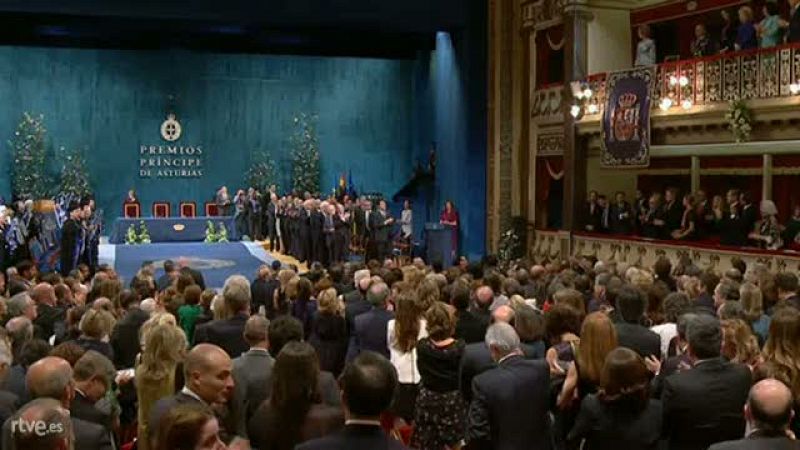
[626, 118]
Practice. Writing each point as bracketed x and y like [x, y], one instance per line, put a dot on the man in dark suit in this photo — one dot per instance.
[196, 275]
[125, 336]
[703, 405]
[673, 213]
[51, 378]
[620, 215]
[509, 402]
[368, 384]
[252, 372]
[732, 223]
[469, 327]
[169, 276]
[43, 410]
[317, 223]
[209, 381]
[355, 302]
[381, 225]
[48, 314]
[93, 375]
[794, 22]
[229, 333]
[592, 215]
[786, 284]
[370, 328]
[704, 216]
[262, 292]
[630, 332]
[750, 213]
[768, 412]
[271, 215]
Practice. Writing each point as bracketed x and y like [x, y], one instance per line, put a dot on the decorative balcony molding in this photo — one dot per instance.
[541, 14]
[560, 245]
[548, 104]
[550, 144]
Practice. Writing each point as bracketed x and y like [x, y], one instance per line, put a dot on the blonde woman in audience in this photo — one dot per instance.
[280, 300]
[753, 304]
[739, 344]
[329, 332]
[95, 327]
[598, 338]
[427, 294]
[164, 346]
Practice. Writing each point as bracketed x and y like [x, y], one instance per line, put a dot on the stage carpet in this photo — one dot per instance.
[216, 261]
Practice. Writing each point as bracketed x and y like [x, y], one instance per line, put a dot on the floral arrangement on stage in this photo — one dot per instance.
[132, 237]
[74, 176]
[739, 119]
[305, 154]
[216, 235]
[28, 172]
[262, 172]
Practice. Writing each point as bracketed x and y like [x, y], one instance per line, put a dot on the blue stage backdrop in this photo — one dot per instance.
[375, 118]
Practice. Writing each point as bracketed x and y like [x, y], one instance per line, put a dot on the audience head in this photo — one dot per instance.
[51, 377]
[625, 380]
[739, 344]
[704, 336]
[378, 294]
[255, 331]
[48, 411]
[440, 322]
[44, 294]
[631, 304]
[94, 374]
[502, 340]
[368, 384]
[69, 350]
[281, 331]
[207, 371]
[188, 427]
[503, 313]
[786, 283]
[528, 324]
[22, 304]
[598, 337]
[770, 407]
[236, 293]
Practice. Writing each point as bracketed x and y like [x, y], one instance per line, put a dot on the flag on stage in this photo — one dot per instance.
[351, 188]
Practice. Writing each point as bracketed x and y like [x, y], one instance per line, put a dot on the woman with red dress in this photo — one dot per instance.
[449, 217]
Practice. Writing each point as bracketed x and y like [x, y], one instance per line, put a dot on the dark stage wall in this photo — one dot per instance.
[376, 117]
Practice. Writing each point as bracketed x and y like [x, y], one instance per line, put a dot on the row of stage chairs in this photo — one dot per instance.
[164, 210]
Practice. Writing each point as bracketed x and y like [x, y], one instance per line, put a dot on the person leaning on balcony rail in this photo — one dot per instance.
[746, 37]
[701, 45]
[771, 27]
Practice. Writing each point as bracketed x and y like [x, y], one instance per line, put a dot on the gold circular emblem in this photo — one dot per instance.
[171, 129]
[179, 227]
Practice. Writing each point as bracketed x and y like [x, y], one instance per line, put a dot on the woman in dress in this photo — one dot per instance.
[746, 36]
[403, 332]
[727, 36]
[407, 221]
[769, 230]
[449, 217]
[646, 48]
[303, 306]
[329, 332]
[770, 29]
[440, 418]
[688, 229]
[753, 305]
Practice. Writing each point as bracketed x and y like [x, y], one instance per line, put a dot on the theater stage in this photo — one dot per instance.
[216, 261]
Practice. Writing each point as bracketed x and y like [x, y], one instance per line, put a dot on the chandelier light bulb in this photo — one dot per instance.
[592, 108]
[587, 93]
[575, 111]
[673, 80]
[683, 81]
[686, 104]
[794, 88]
[666, 103]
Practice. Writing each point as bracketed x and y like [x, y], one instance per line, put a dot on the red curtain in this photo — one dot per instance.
[720, 184]
[785, 194]
[549, 62]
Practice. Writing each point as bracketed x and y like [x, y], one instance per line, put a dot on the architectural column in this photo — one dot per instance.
[576, 18]
[766, 177]
[695, 173]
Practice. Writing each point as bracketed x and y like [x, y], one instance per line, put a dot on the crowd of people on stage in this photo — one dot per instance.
[734, 220]
[567, 354]
[740, 31]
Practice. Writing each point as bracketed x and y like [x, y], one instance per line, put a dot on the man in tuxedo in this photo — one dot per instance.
[592, 215]
[252, 372]
[262, 291]
[381, 222]
[469, 327]
[653, 218]
[673, 213]
[768, 411]
[794, 22]
[509, 407]
[317, 223]
[303, 241]
[632, 304]
[254, 214]
[704, 216]
[355, 302]
[367, 384]
[370, 328]
[605, 223]
[750, 213]
[329, 234]
[51, 378]
[620, 215]
[72, 237]
[94, 375]
[271, 216]
[786, 284]
[704, 405]
[125, 336]
[732, 224]
[229, 333]
[209, 382]
[169, 276]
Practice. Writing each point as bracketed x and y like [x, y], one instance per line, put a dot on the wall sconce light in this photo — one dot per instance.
[686, 104]
[575, 111]
[592, 108]
[587, 93]
[665, 104]
[794, 88]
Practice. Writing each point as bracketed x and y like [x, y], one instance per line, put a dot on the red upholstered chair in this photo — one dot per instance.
[188, 209]
[212, 210]
[161, 209]
[132, 211]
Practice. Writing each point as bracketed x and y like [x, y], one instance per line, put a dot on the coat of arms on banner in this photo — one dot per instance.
[626, 119]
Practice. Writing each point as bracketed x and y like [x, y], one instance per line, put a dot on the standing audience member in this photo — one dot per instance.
[701, 45]
[190, 310]
[125, 336]
[770, 29]
[329, 332]
[50, 412]
[96, 327]
[189, 427]
[370, 328]
[630, 331]
[621, 414]
[751, 298]
[704, 405]
[252, 372]
[598, 338]
[93, 375]
[368, 384]
[746, 37]
[404, 331]
[228, 334]
[646, 48]
[510, 402]
[294, 412]
[440, 408]
[768, 410]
